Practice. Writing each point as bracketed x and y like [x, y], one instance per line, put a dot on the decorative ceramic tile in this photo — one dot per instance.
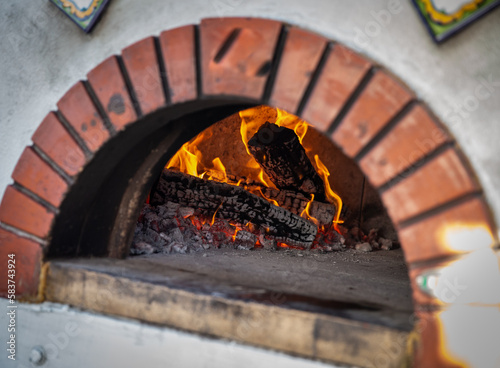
[85, 13]
[443, 18]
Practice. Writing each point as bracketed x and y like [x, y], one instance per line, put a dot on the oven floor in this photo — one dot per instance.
[370, 287]
[338, 307]
[376, 278]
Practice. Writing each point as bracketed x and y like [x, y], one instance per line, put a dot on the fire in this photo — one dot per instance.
[290, 121]
[218, 172]
[190, 160]
[306, 213]
[251, 122]
[273, 201]
[330, 194]
[215, 213]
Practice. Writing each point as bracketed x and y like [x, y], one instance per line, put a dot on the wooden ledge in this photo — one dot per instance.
[329, 330]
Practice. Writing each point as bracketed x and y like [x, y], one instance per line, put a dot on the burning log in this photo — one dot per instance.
[284, 160]
[213, 199]
[294, 202]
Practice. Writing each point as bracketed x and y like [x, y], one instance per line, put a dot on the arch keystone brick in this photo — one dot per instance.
[179, 56]
[237, 55]
[109, 86]
[55, 141]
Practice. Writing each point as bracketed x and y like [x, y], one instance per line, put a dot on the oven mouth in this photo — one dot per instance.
[262, 287]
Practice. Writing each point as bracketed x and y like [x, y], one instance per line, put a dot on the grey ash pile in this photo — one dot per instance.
[168, 228]
[171, 228]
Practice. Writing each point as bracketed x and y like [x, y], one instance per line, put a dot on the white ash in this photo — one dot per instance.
[268, 242]
[141, 247]
[364, 247]
[245, 240]
[185, 211]
[385, 244]
[357, 239]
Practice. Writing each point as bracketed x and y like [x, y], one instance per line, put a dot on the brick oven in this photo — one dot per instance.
[79, 188]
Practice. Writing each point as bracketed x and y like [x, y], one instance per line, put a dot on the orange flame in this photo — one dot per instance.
[330, 194]
[249, 126]
[215, 213]
[290, 121]
[189, 159]
[306, 213]
[218, 172]
[273, 201]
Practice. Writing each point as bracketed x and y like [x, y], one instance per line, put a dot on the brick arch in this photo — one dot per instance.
[419, 171]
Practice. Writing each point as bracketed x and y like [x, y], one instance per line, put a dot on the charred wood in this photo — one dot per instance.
[210, 198]
[294, 202]
[280, 154]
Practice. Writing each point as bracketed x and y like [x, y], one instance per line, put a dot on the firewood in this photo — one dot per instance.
[280, 154]
[210, 198]
[292, 201]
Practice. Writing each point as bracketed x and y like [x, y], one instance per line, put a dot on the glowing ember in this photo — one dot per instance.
[170, 228]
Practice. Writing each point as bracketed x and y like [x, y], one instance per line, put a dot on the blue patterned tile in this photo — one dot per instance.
[443, 18]
[85, 13]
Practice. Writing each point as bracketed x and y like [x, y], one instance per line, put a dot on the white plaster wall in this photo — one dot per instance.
[74, 338]
[42, 54]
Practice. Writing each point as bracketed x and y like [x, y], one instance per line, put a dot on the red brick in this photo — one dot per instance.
[341, 74]
[141, 62]
[420, 298]
[36, 175]
[381, 100]
[431, 347]
[435, 183]
[55, 141]
[243, 69]
[300, 57]
[28, 257]
[427, 240]
[469, 279]
[23, 213]
[107, 81]
[79, 110]
[412, 138]
[178, 51]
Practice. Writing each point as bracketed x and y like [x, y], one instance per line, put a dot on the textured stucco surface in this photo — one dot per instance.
[75, 338]
[42, 54]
